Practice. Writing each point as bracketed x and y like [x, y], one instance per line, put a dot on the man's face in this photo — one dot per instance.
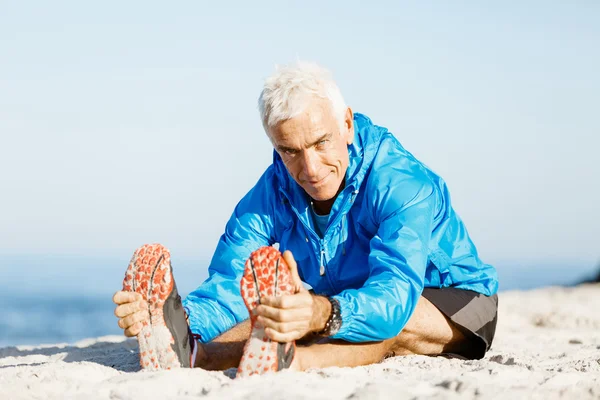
[314, 150]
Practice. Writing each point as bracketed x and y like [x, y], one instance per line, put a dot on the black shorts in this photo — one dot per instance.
[474, 314]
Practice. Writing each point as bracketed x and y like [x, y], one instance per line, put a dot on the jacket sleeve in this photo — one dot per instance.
[216, 305]
[397, 262]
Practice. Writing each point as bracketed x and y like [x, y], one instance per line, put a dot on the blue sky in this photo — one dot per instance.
[130, 122]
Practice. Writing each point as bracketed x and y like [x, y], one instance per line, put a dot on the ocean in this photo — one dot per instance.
[63, 299]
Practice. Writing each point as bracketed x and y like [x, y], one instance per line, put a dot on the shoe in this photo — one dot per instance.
[266, 274]
[165, 340]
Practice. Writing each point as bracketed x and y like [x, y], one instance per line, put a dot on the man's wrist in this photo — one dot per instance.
[322, 313]
[333, 322]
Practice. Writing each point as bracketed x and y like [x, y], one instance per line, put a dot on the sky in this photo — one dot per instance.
[123, 123]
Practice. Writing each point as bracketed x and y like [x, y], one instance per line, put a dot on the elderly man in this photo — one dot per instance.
[367, 227]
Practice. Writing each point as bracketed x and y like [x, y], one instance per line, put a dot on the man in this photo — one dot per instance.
[367, 226]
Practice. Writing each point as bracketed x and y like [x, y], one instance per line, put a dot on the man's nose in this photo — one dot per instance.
[311, 164]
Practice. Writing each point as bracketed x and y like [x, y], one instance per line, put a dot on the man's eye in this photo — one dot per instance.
[290, 152]
[321, 143]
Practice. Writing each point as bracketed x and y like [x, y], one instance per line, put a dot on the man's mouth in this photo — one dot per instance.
[318, 181]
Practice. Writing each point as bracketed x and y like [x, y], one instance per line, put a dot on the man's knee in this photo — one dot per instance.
[428, 332]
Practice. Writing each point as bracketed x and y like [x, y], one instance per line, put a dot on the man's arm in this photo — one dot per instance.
[381, 308]
[216, 305]
[397, 262]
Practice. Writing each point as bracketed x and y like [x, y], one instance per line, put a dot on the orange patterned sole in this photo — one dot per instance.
[266, 274]
[149, 274]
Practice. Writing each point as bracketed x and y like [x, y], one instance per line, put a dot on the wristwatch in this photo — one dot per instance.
[334, 323]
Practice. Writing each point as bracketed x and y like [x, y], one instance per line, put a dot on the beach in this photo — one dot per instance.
[547, 346]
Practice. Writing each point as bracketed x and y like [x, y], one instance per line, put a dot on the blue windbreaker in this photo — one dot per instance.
[392, 231]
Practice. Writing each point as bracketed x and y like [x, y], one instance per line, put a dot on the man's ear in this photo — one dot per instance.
[349, 126]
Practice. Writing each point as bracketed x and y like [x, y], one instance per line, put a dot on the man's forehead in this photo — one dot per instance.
[307, 126]
[293, 136]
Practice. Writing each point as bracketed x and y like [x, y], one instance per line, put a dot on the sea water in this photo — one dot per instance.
[59, 299]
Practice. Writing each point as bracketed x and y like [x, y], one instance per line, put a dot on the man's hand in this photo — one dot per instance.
[132, 310]
[291, 317]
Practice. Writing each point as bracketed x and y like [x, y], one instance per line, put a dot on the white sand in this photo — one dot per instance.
[547, 346]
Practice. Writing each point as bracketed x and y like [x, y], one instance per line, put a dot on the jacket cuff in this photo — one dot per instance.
[346, 314]
[199, 312]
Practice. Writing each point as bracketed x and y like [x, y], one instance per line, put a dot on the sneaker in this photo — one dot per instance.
[266, 274]
[165, 340]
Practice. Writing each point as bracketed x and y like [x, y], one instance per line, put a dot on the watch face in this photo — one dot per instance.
[335, 321]
[336, 324]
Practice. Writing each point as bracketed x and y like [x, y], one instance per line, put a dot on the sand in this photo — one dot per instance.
[547, 346]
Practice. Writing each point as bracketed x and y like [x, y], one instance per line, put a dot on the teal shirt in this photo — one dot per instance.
[320, 221]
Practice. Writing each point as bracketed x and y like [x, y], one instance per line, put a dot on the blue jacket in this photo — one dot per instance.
[392, 231]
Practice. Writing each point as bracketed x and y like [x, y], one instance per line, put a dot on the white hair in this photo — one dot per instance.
[289, 91]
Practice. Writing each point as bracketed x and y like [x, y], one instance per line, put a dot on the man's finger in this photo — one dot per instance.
[129, 308]
[122, 297]
[284, 327]
[130, 320]
[284, 315]
[133, 330]
[291, 262]
[282, 337]
[288, 301]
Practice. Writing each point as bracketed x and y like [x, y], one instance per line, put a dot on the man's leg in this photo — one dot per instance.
[225, 351]
[427, 332]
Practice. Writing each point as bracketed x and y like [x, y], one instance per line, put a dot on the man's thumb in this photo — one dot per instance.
[297, 282]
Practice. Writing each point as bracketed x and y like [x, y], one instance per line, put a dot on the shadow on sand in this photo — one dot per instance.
[122, 356]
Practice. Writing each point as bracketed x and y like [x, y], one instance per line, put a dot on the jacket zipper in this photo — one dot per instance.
[354, 193]
[308, 228]
[341, 216]
[320, 240]
[343, 208]
[322, 264]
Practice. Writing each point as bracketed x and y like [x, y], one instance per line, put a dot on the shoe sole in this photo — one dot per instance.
[149, 273]
[266, 274]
